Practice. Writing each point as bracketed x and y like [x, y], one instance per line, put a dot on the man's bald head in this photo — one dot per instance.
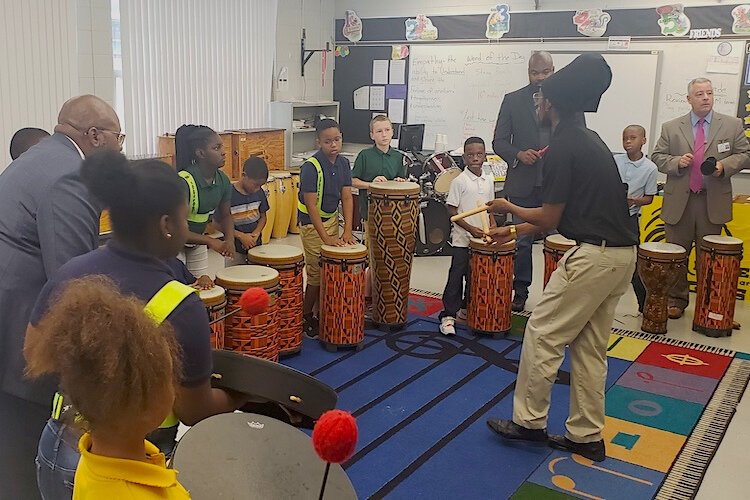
[540, 67]
[90, 122]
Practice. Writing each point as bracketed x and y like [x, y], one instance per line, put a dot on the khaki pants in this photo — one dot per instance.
[311, 243]
[576, 309]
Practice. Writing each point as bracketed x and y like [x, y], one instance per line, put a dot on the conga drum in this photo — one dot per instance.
[215, 300]
[285, 200]
[490, 287]
[342, 296]
[293, 227]
[392, 226]
[271, 188]
[289, 262]
[717, 285]
[256, 335]
[659, 266]
[555, 246]
[246, 455]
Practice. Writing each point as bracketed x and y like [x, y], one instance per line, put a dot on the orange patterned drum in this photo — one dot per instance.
[256, 335]
[289, 262]
[490, 286]
[342, 295]
[555, 246]
[216, 303]
[717, 285]
[392, 228]
[659, 266]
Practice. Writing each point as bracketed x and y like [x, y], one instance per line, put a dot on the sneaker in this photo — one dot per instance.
[462, 314]
[310, 326]
[447, 325]
[511, 430]
[593, 451]
[517, 305]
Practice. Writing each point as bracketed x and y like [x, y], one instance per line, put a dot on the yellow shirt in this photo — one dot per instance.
[104, 477]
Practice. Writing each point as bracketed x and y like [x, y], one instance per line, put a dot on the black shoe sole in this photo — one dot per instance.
[542, 441]
[571, 449]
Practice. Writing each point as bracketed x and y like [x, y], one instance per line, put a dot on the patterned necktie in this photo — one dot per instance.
[696, 177]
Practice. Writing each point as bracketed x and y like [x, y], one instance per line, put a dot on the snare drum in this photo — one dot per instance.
[286, 201]
[443, 170]
[555, 246]
[717, 285]
[293, 227]
[255, 335]
[215, 300]
[342, 295]
[490, 287]
[289, 262]
[271, 188]
[659, 267]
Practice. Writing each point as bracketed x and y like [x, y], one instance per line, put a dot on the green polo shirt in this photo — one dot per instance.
[371, 163]
[210, 195]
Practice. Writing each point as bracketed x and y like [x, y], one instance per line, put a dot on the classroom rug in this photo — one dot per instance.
[421, 401]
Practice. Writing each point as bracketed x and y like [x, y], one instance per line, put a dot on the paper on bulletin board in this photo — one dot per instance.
[377, 98]
[362, 98]
[397, 74]
[729, 65]
[380, 72]
[395, 91]
[396, 110]
[379, 113]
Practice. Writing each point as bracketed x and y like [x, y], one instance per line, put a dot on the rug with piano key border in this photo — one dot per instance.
[421, 401]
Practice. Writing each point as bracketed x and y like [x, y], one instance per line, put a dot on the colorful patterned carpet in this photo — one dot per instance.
[421, 401]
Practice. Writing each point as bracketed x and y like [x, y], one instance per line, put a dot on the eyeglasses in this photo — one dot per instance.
[120, 135]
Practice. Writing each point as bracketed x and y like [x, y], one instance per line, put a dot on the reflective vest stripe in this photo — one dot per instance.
[193, 202]
[319, 191]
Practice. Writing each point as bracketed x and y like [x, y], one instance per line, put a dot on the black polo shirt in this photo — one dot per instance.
[579, 170]
[142, 276]
[336, 176]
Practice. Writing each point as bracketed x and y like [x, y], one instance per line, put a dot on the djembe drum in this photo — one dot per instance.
[271, 188]
[215, 300]
[342, 296]
[286, 202]
[555, 246]
[289, 262]
[490, 287]
[254, 335]
[293, 227]
[392, 226]
[659, 266]
[717, 285]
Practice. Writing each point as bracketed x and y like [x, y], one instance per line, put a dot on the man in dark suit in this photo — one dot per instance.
[520, 140]
[47, 218]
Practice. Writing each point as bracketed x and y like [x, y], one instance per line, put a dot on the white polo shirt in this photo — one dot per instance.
[466, 191]
[640, 176]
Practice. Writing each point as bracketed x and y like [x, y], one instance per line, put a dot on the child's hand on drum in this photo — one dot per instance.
[347, 238]
[333, 241]
[204, 283]
[226, 249]
[399, 179]
[379, 178]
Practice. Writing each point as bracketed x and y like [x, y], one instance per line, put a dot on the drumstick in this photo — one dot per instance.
[485, 224]
[469, 213]
[225, 316]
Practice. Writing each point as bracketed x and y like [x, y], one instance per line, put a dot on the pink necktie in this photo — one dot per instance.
[696, 177]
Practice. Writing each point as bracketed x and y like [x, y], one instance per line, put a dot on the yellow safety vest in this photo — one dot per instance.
[193, 201]
[319, 190]
[161, 305]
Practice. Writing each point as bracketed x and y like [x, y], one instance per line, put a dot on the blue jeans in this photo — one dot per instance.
[522, 267]
[56, 460]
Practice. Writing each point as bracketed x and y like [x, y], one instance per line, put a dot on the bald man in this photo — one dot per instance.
[519, 140]
[47, 218]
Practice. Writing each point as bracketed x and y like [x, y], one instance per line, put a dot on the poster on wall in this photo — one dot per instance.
[498, 22]
[399, 52]
[591, 22]
[420, 28]
[741, 16]
[673, 21]
[342, 51]
[352, 27]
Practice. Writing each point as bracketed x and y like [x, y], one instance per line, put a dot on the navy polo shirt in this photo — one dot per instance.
[141, 275]
[336, 176]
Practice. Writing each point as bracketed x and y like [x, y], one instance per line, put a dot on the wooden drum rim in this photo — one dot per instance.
[235, 283]
[727, 247]
[394, 189]
[479, 246]
[275, 260]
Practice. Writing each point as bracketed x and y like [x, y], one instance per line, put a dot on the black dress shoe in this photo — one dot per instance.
[517, 305]
[511, 430]
[593, 451]
[310, 327]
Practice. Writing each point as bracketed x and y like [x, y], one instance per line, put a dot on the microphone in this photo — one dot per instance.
[708, 167]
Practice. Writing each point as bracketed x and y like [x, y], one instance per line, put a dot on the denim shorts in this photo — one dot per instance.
[56, 460]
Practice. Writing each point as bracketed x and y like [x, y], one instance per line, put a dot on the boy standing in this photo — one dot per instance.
[325, 180]
[471, 188]
[249, 206]
[639, 173]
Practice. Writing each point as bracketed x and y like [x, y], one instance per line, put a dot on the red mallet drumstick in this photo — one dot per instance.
[334, 438]
[542, 151]
[252, 301]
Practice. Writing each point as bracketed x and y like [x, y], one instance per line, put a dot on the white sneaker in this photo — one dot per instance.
[462, 314]
[447, 325]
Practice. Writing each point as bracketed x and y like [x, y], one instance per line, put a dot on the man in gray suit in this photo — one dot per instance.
[47, 218]
[696, 205]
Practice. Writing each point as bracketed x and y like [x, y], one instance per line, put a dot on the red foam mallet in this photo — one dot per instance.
[334, 438]
[254, 301]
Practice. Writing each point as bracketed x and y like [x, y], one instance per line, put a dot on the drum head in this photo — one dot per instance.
[245, 455]
[271, 254]
[482, 245]
[558, 241]
[444, 179]
[394, 187]
[213, 295]
[718, 239]
[349, 251]
[661, 247]
[247, 276]
[433, 227]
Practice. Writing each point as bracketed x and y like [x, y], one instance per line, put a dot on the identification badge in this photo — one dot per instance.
[724, 147]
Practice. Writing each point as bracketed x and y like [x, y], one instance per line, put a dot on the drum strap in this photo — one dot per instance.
[193, 201]
[319, 191]
[161, 305]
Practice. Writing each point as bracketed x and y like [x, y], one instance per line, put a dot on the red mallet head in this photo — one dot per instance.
[335, 436]
[254, 301]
